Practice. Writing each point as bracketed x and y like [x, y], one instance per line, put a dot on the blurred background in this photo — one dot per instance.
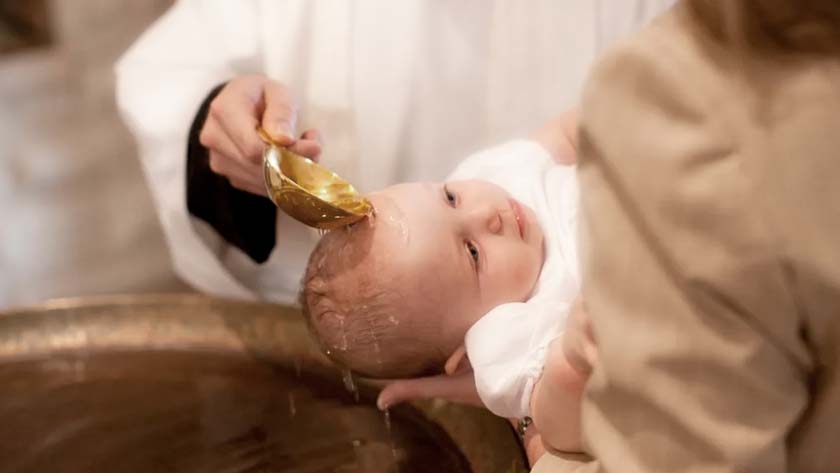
[76, 217]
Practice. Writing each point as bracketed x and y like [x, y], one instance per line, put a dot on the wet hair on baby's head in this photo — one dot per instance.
[353, 307]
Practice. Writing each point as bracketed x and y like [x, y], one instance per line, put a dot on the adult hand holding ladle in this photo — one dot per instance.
[235, 150]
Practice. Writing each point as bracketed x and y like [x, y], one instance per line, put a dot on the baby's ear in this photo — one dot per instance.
[330, 318]
[329, 327]
[457, 361]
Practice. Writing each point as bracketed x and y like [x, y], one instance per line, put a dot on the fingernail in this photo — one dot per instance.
[380, 404]
[279, 135]
[282, 131]
[284, 139]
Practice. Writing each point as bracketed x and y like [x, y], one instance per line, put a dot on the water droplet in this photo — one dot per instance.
[376, 349]
[343, 249]
[387, 417]
[396, 219]
[344, 344]
[292, 407]
[395, 456]
[349, 384]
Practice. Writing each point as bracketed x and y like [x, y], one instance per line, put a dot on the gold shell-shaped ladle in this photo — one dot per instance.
[307, 191]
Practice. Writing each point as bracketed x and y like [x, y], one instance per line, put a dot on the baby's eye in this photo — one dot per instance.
[473, 251]
[451, 198]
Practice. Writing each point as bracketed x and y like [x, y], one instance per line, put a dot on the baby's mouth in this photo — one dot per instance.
[519, 215]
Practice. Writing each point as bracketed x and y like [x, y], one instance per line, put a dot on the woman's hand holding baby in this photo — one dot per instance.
[579, 345]
[229, 133]
[459, 387]
[457, 384]
[557, 396]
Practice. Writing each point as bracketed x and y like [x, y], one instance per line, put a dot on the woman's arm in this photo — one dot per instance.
[559, 137]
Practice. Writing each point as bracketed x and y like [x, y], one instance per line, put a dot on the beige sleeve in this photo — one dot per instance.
[560, 463]
[701, 366]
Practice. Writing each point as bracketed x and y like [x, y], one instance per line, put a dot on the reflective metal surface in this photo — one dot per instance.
[309, 192]
[192, 384]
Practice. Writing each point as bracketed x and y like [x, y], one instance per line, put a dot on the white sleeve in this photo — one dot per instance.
[161, 82]
[499, 163]
[507, 350]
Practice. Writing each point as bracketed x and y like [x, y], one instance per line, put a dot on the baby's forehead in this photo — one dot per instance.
[389, 247]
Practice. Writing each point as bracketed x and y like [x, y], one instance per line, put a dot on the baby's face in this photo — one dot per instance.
[459, 249]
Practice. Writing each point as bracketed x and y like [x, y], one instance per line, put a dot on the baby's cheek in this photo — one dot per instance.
[525, 270]
[516, 280]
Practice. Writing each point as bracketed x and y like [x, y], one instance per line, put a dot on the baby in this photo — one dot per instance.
[483, 264]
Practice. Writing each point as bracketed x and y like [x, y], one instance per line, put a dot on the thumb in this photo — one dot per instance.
[280, 115]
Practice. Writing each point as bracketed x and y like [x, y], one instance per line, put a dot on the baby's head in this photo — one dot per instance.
[394, 295]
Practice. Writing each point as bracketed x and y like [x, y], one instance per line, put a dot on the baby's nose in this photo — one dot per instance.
[488, 219]
[494, 222]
